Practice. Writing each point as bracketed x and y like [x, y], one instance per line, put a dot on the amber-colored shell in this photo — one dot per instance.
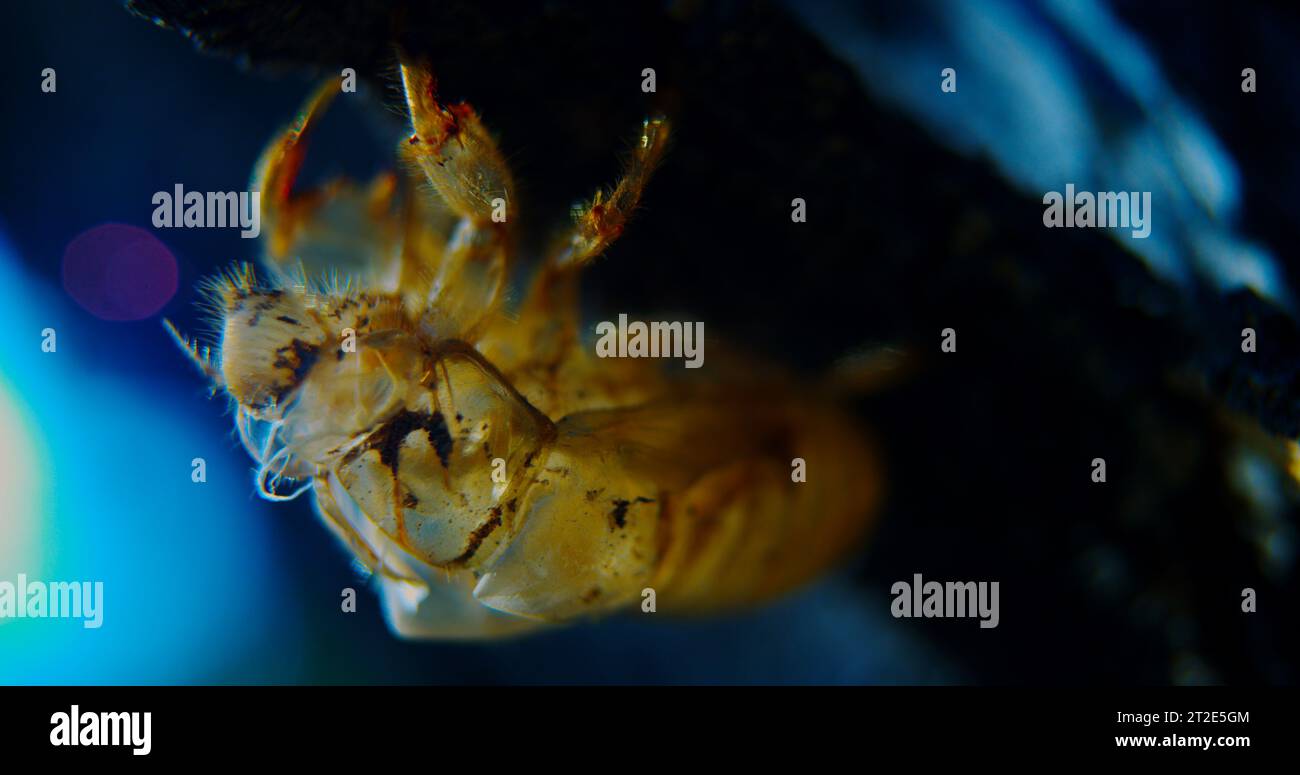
[483, 462]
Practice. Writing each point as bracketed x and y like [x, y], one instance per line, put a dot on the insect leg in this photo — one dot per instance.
[339, 227]
[550, 310]
[598, 223]
[453, 149]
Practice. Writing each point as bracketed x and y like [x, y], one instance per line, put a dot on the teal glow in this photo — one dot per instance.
[190, 585]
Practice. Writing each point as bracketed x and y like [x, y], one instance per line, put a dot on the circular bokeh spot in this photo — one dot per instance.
[119, 272]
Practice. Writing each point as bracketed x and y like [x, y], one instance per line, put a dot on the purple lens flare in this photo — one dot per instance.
[119, 272]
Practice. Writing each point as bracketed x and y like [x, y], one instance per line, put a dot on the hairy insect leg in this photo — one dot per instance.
[549, 314]
[601, 221]
[456, 153]
[461, 161]
[338, 227]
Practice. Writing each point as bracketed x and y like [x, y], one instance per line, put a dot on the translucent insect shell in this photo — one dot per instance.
[490, 471]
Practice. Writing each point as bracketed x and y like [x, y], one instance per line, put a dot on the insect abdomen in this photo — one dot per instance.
[695, 501]
[747, 531]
